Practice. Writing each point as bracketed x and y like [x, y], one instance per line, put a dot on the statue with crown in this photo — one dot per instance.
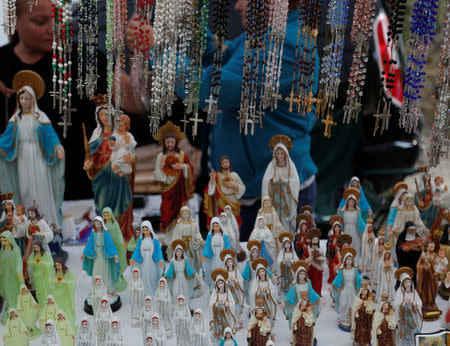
[110, 189]
[31, 155]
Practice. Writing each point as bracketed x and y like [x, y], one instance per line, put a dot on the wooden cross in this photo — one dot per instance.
[377, 117]
[291, 99]
[195, 120]
[308, 101]
[329, 123]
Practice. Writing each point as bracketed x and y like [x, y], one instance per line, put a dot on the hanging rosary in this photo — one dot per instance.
[219, 33]
[440, 140]
[305, 58]
[9, 17]
[61, 60]
[361, 33]
[423, 29]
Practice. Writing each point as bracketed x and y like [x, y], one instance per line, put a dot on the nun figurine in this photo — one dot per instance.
[49, 335]
[157, 331]
[228, 339]
[102, 321]
[199, 331]
[86, 336]
[16, 332]
[148, 258]
[136, 297]
[28, 311]
[286, 258]
[216, 241]
[115, 337]
[148, 310]
[163, 306]
[182, 317]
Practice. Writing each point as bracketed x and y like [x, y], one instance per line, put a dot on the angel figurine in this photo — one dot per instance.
[123, 145]
[136, 297]
[259, 327]
[86, 336]
[363, 309]
[163, 305]
[336, 230]
[303, 322]
[174, 173]
[199, 331]
[16, 332]
[28, 311]
[286, 258]
[281, 182]
[262, 233]
[182, 317]
[148, 310]
[32, 164]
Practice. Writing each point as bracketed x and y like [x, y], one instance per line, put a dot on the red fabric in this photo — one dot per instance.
[101, 157]
[315, 276]
[334, 264]
[447, 316]
[126, 224]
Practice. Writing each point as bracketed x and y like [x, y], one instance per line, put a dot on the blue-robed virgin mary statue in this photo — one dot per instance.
[31, 155]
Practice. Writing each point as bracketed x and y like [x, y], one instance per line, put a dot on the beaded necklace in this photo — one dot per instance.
[9, 17]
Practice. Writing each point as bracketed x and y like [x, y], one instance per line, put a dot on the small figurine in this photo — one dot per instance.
[446, 316]
[377, 254]
[344, 288]
[303, 322]
[163, 305]
[272, 220]
[225, 187]
[16, 332]
[354, 224]
[264, 235]
[182, 317]
[131, 246]
[342, 242]
[300, 239]
[148, 258]
[216, 241]
[362, 203]
[386, 331]
[408, 305]
[439, 190]
[174, 173]
[40, 268]
[32, 163]
[409, 247]
[100, 258]
[281, 182]
[102, 321]
[86, 336]
[336, 230]
[199, 331]
[367, 249]
[63, 285]
[228, 339]
[38, 229]
[308, 211]
[20, 229]
[106, 184]
[300, 284]
[64, 330]
[8, 213]
[386, 274]
[115, 337]
[439, 224]
[400, 190]
[97, 293]
[286, 258]
[441, 264]
[240, 253]
[444, 241]
[259, 328]
[230, 231]
[148, 310]
[181, 276]
[186, 229]
[123, 145]
[28, 311]
[363, 309]
[428, 282]
[113, 228]
[50, 336]
[444, 289]
[136, 298]
[157, 331]
[316, 260]
[11, 277]
[235, 283]
[49, 312]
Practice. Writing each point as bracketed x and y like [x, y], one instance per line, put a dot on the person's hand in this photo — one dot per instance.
[5, 91]
[147, 29]
[60, 153]
[87, 165]
[116, 259]
[129, 158]
[212, 176]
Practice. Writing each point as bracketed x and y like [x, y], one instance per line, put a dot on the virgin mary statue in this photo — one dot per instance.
[31, 155]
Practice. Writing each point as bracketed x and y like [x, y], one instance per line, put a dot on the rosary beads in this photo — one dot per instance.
[9, 17]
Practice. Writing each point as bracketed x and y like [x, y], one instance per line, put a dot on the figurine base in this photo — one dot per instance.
[344, 328]
[431, 316]
[114, 306]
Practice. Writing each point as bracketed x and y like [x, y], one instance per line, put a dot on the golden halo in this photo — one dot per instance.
[402, 270]
[169, 129]
[398, 186]
[352, 191]
[344, 238]
[178, 242]
[350, 250]
[285, 235]
[30, 78]
[252, 243]
[303, 216]
[259, 260]
[219, 271]
[280, 139]
[336, 218]
[314, 232]
[227, 252]
[306, 208]
[300, 263]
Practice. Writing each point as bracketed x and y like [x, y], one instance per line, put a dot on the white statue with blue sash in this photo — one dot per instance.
[400, 190]
[363, 204]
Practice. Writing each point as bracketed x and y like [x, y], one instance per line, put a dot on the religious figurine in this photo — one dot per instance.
[228, 339]
[367, 249]
[400, 190]
[103, 321]
[446, 317]
[174, 173]
[272, 220]
[377, 254]
[362, 203]
[181, 276]
[157, 332]
[110, 189]
[100, 258]
[444, 289]
[131, 246]
[97, 293]
[235, 283]
[354, 224]
[32, 162]
[50, 336]
[38, 229]
[182, 319]
[308, 211]
[286, 258]
[428, 282]
[259, 327]
[384, 324]
[136, 297]
[20, 229]
[300, 239]
[336, 230]
[230, 231]
[86, 336]
[216, 241]
[409, 247]
[300, 284]
[8, 213]
[262, 233]
[281, 182]
[64, 330]
[148, 258]
[440, 267]
[123, 145]
[62, 286]
[115, 337]
[16, 332]
[113, 228]
[303, 322]
[163, 305]
[49, 312]
[440, 190]
[362, 315]
[148, 310]
[186, 229]
[386, 274]
[439, 224]
[199, 331]
[28, 311]
[11, 277]
[240, 252]
[221, 304]
[316, 260]
[444, 241]
[344, 288]
[342, 242]
[225, 187]
[408, 305]
[40, 268]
